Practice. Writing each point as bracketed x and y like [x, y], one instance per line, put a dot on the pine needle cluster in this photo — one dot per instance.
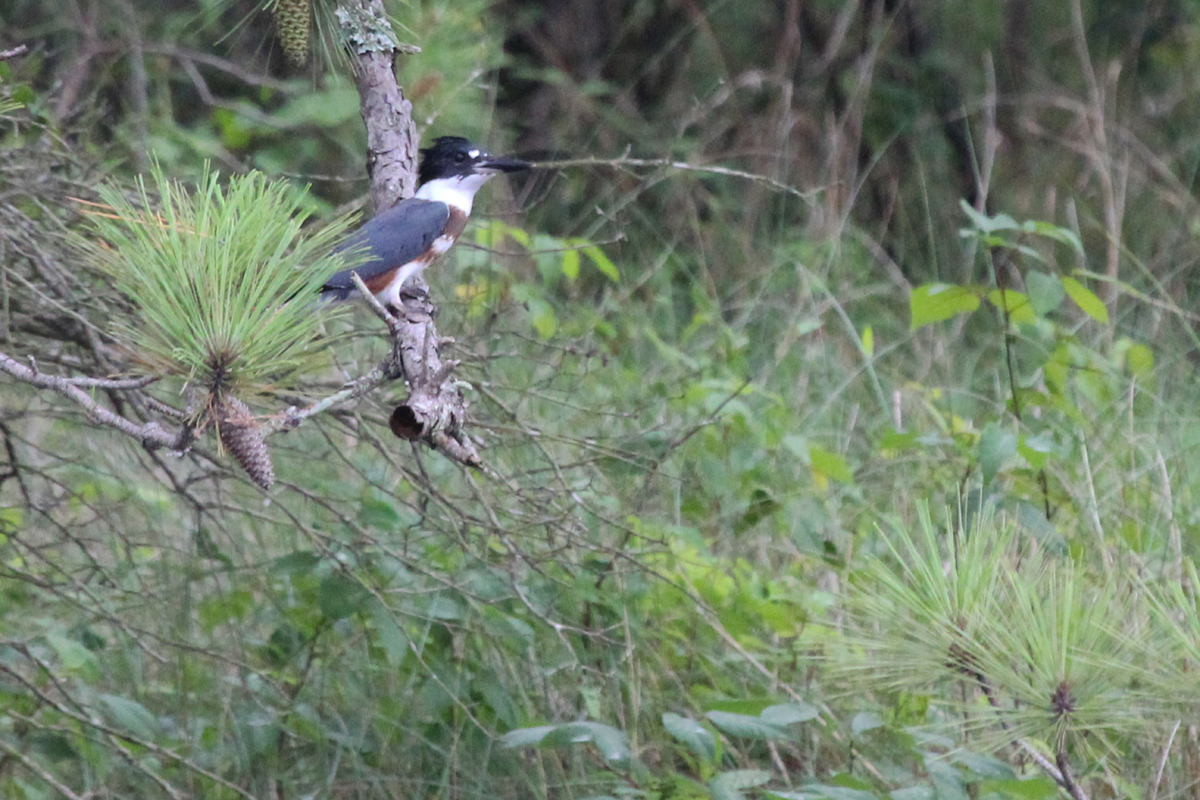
[1026, 645]
[223, 283]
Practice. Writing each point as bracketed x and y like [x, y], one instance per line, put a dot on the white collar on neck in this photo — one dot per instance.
[458, 191]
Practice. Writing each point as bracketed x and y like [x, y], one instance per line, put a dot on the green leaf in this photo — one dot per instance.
[217, 609]
[445, 606]
[1019, 307]
[997, 444]
[987, 224]
[744, 778]
[897, 440]
[1046, 292]
[1036, 450]
[526, 737]
[868, 341]
[492, 235]
[691, 733]
[496, 694]
[934, 302]
[947, 781]
[836, 792]
[1055, 232]
[541, 313]
[130, 715]
[1090, 304]
[761, 506]
[1140, 360]
[602, 262]
[72, 654]
[865, 721]
[830, 465]
[379, 515]
[392, 637]
[52, 745]
[789, 713]
[1039, 787]
[1034, 521]
[985, 766]
[729, 785]
[570, 263]
[299, 562]
[913, 793]
[612, 743]
[341, 596]
[748, 727]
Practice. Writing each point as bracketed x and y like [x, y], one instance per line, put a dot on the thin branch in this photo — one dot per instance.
[1162, 763]
[150, 434]
[112, 383]
[1068, 780]
[620, 237]
[388, 370]
[806, 196]
[35, 767]
[93, 722]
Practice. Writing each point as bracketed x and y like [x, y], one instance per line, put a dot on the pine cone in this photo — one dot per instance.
[293, 20]
[241, 437]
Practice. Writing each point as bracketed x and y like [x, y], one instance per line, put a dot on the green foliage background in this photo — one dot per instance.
[716, 413]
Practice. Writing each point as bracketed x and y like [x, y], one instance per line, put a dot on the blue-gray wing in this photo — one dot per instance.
[388, 241]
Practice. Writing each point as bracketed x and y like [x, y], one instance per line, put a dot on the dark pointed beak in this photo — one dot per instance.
[503, 164]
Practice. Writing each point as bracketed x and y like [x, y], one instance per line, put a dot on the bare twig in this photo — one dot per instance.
[35, 767]
[12, 52]
[391, 134]
[666, 163]
[388, 370]
[435, 410]
[150, 434]
[112, 383]
[1162, 763]
[90, 721]
[1068, 780]
[1112, 182]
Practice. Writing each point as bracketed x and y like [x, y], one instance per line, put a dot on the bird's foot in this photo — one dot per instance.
[415, 293]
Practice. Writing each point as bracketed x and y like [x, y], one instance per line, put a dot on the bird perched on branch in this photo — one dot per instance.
[406, 238]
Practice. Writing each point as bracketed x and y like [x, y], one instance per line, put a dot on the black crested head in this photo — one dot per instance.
[455, 156]
[449, 156]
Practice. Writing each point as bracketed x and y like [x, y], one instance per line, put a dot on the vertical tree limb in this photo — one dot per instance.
[387, 113]
[435, 410]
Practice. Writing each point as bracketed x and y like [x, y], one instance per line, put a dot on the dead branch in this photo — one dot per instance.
[150, 434]
[387, 113]
[435, 410]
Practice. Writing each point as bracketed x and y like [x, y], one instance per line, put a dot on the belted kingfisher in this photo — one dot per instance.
[409, 236]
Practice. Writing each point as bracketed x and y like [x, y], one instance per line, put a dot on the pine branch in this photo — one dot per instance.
[436, 409]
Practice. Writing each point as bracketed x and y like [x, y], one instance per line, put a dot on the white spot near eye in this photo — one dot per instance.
[473, 153]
